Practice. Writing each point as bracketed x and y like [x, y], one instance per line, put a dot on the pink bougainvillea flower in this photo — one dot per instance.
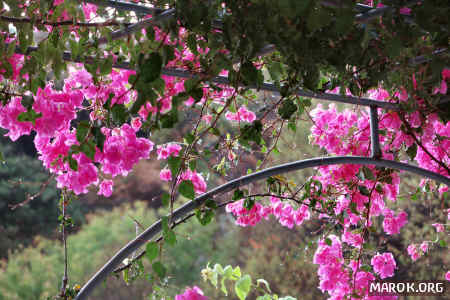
[424, 247]
[439, 227]
[106, 188]
[384, 264]
[413, 252]
[165, 175]
[243, 115]
[392, 224]
[194, 293]
[170, 149]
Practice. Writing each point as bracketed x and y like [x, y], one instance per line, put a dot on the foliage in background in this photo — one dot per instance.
[33, 273]
[22, 176]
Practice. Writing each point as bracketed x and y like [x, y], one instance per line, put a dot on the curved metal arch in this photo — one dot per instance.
[156, 228]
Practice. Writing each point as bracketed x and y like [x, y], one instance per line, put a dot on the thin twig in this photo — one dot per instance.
[63, 233]
[34, 196]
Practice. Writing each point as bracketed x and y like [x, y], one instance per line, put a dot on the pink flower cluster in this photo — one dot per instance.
[392, 223]
[170, 149]
[197, 179]
[334, 272]
[282, 211]
[384, 264]
[416, 251]
[333, 275]
[439, 227]
[122, 150]
[194, 293]
[242, 115]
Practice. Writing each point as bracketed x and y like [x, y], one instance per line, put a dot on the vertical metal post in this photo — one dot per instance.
[374, 133]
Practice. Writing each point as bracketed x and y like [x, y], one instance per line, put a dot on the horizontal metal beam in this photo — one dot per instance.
[127, 6]
[156, 228]
[300, 92]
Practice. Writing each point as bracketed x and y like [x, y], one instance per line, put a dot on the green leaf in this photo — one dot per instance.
[165, 199]
[287, 109]
[125, 275]
[99, 137]
[242, 286]
[353, 208]
[189, 137]
[368, 246]
[29, 116]
[328, 241]
[186, 189]
[151, 67]
[210, 203]
[379, 188]
[88, 148]
[197, 94]
[368, 174]
[237, 195]
[119, 113]
[249, 203]
[366, 268]
[106, 65]
[174, 164]
[165, 223]
[249, 73]
[443, 243]
[192, 43]
[170, 119]
[168, 53]
[152, 250]
[73, 164]
[412, 151]
[159, 269]
[170, 237]
[205, 216]
[363, 190]
[192, 165]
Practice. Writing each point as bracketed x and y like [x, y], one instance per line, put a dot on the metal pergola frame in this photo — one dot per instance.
[364, 14]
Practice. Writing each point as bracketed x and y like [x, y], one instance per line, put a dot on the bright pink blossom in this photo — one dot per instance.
[170, 149]
[242, 115]
[392, 224]
[165, 175]
[196, 179]
[106, 188]
[384, 264]
[439, 227]
[413, 252]
[194, 293]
